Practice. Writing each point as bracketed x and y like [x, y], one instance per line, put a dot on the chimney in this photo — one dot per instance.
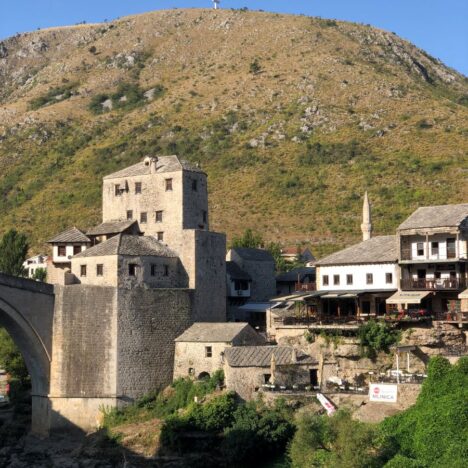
[151, 162]
[366, 226]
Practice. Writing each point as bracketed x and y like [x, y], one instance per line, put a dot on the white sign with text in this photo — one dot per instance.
[383, 393]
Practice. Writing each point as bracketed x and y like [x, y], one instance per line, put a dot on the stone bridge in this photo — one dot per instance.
[27, 313]
[89, 347]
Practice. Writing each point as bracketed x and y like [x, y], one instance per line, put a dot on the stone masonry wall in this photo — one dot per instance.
[148, 322]
[84, 343]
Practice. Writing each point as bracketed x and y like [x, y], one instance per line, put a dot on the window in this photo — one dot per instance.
[129, 214]
[168, 185]
[325, 280]
[434, 248]
[205, 216]
[369, 278]
[160, 236]
[336, 280]
[100, 270]
[208, 351]
[241, 285]
[117, 190]
[153, 269]
[266, 378]
[132, 269]
[82, 270]
[159, 216]
[191, 371]
[194, 185]
[62, 250]
[389, 278]
[451, 248]
[420, 249]
[137, 187]
[349, 279]
[143, 217]
[76, 249]
[166, 270]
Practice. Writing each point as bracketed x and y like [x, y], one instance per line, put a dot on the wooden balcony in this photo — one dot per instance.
[406, 254]
[306, 286]
[433, 284]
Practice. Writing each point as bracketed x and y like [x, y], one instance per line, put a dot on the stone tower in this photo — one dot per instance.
[366, 226]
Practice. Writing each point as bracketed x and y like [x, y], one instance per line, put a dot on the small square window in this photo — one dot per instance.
[160, 236]
[434, 248]
[388, 278]
[129, 214]
[132, 269]
[349, 279]
[82, 270]
[117, 190]
[168, 185]
[325, 280]
[76, 249]
[143, 217]
[137, 187]
[100, 270]
[336, 280]
[194, 185]
[369, 278]
[62, 250]
[159, 216]
[208, 351]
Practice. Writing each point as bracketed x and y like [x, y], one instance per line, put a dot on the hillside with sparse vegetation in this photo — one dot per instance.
[292, 117]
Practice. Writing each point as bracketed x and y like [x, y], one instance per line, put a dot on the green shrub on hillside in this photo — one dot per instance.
[329, 153]
[375, 337]
[61, 93]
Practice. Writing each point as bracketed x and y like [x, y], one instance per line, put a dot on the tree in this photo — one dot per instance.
[13, 250]
[11, 359]
[40, 274]
[249, 239]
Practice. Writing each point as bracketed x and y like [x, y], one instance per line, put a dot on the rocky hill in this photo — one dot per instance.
[292, 117]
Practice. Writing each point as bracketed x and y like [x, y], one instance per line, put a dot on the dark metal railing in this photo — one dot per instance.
[433, 284]
[306, 286]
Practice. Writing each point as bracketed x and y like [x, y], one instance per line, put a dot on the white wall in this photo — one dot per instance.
[69, 253]
[359, 273]
[460, 246]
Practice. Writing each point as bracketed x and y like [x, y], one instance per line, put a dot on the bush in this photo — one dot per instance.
[58, 94]
[330, 153]
[376, 336]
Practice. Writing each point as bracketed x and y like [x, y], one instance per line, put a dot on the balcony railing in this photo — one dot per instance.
[433, 284]
[306, 287]
[407, 254]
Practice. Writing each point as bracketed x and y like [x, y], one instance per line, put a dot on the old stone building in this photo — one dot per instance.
[248, 368]
[199, 351]
[127, 288]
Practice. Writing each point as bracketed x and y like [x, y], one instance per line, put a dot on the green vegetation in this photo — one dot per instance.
[11, 360]
[13, 250]
[318, 153]
[430, 434]
[255, 67]
[375, 337]
[61, 93]
[40, 274]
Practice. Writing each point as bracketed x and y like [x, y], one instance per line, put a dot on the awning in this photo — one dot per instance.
[407, 297]
[463, 294]
[257, 306]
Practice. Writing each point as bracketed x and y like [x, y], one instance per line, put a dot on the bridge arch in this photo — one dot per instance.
[31, 345]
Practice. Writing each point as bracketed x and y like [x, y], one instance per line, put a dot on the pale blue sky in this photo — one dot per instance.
[438, 26]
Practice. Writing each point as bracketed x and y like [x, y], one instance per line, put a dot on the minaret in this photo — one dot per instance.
[216, 4]
[366, 226]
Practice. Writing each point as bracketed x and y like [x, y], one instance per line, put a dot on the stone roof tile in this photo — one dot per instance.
[164, 164]
[130, 245]
[260, 356]
[110, 227]
[261, 255]
[379, 249]
[70, 235]
[436, 216]
[236, 272]
[212, 332]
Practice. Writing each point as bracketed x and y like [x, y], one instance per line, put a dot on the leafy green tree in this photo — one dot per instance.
[249, 239]
[13, 250]
[11, 359]
[40, 274]
[376, 336]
